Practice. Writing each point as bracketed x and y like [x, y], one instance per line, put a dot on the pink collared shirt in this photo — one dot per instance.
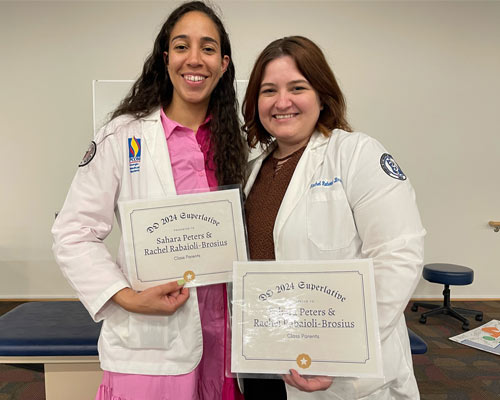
[190, 155]
[193, 168]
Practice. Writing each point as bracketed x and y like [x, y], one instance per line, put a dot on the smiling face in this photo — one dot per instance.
[288, 105]
[194, 60]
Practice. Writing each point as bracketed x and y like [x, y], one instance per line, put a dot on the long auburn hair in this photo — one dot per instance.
[154, 88]
[311, 62]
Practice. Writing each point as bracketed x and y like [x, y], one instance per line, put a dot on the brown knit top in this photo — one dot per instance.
[264, 200]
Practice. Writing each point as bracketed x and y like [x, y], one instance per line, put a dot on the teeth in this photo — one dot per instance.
[283, 116]
[194, 78]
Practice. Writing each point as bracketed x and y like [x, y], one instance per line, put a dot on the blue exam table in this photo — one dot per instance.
[62, 336]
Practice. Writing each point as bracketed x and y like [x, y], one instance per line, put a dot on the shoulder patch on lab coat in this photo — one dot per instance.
[89, 154]
[134, 154]
[391, 167]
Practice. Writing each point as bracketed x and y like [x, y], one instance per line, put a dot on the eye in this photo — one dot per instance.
[209, 50]
[298, 88]
[180, 47]
[267, 91]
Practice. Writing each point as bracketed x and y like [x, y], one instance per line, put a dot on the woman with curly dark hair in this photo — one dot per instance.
[176, 131]
[154, 87]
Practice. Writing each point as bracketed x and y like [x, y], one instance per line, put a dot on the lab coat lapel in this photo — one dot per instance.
[254, 167]
[156, 145]
[311, 159]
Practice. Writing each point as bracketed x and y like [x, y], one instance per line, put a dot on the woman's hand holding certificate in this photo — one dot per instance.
[159, 300]
[308, 384]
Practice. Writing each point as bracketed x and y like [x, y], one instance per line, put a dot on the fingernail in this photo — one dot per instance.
[181, 282]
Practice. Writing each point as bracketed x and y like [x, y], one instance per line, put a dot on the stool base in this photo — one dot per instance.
[447, 309]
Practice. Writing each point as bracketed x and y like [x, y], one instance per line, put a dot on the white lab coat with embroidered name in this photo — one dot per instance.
[129, 342]
[341, 204]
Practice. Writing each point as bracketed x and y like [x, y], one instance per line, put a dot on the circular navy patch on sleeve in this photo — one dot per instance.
[89, 154]
[391, 167]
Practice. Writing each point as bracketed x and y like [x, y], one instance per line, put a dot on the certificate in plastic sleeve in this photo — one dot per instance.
[317, 317]
[195, 237]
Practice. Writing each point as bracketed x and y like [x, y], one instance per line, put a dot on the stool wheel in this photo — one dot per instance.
[414, 308]
[422, 320]
[479, 317]
[465, 326]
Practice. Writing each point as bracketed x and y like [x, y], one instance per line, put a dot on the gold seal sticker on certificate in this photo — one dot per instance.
[304, 361]
[318, 317]
[188, 236]
[189, 276]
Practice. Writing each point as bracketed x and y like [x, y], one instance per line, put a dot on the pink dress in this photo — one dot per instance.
[193, 168]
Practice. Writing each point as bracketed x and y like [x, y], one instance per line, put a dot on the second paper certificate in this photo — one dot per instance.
[318, 317]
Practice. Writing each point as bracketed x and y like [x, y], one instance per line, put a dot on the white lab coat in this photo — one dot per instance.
[340, 204]
[129, 342]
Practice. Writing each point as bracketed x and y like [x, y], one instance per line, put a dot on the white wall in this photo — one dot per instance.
[422, 77]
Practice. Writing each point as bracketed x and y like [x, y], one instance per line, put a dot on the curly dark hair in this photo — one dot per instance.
[154, 88]
[311, 62]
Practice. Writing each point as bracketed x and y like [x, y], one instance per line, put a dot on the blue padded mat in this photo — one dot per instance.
[52, 328]
[417, 344]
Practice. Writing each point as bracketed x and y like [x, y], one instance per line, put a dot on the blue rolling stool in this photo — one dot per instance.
[447, 274]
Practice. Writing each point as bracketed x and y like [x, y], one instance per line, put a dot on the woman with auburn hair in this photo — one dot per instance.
[295, 110]
[177, 131]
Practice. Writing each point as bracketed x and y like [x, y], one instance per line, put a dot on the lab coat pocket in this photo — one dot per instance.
[151, 331]
[330, 223]
[140, 331]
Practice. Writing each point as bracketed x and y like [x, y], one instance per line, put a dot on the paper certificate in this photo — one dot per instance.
[195, 237]
[317, 317]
